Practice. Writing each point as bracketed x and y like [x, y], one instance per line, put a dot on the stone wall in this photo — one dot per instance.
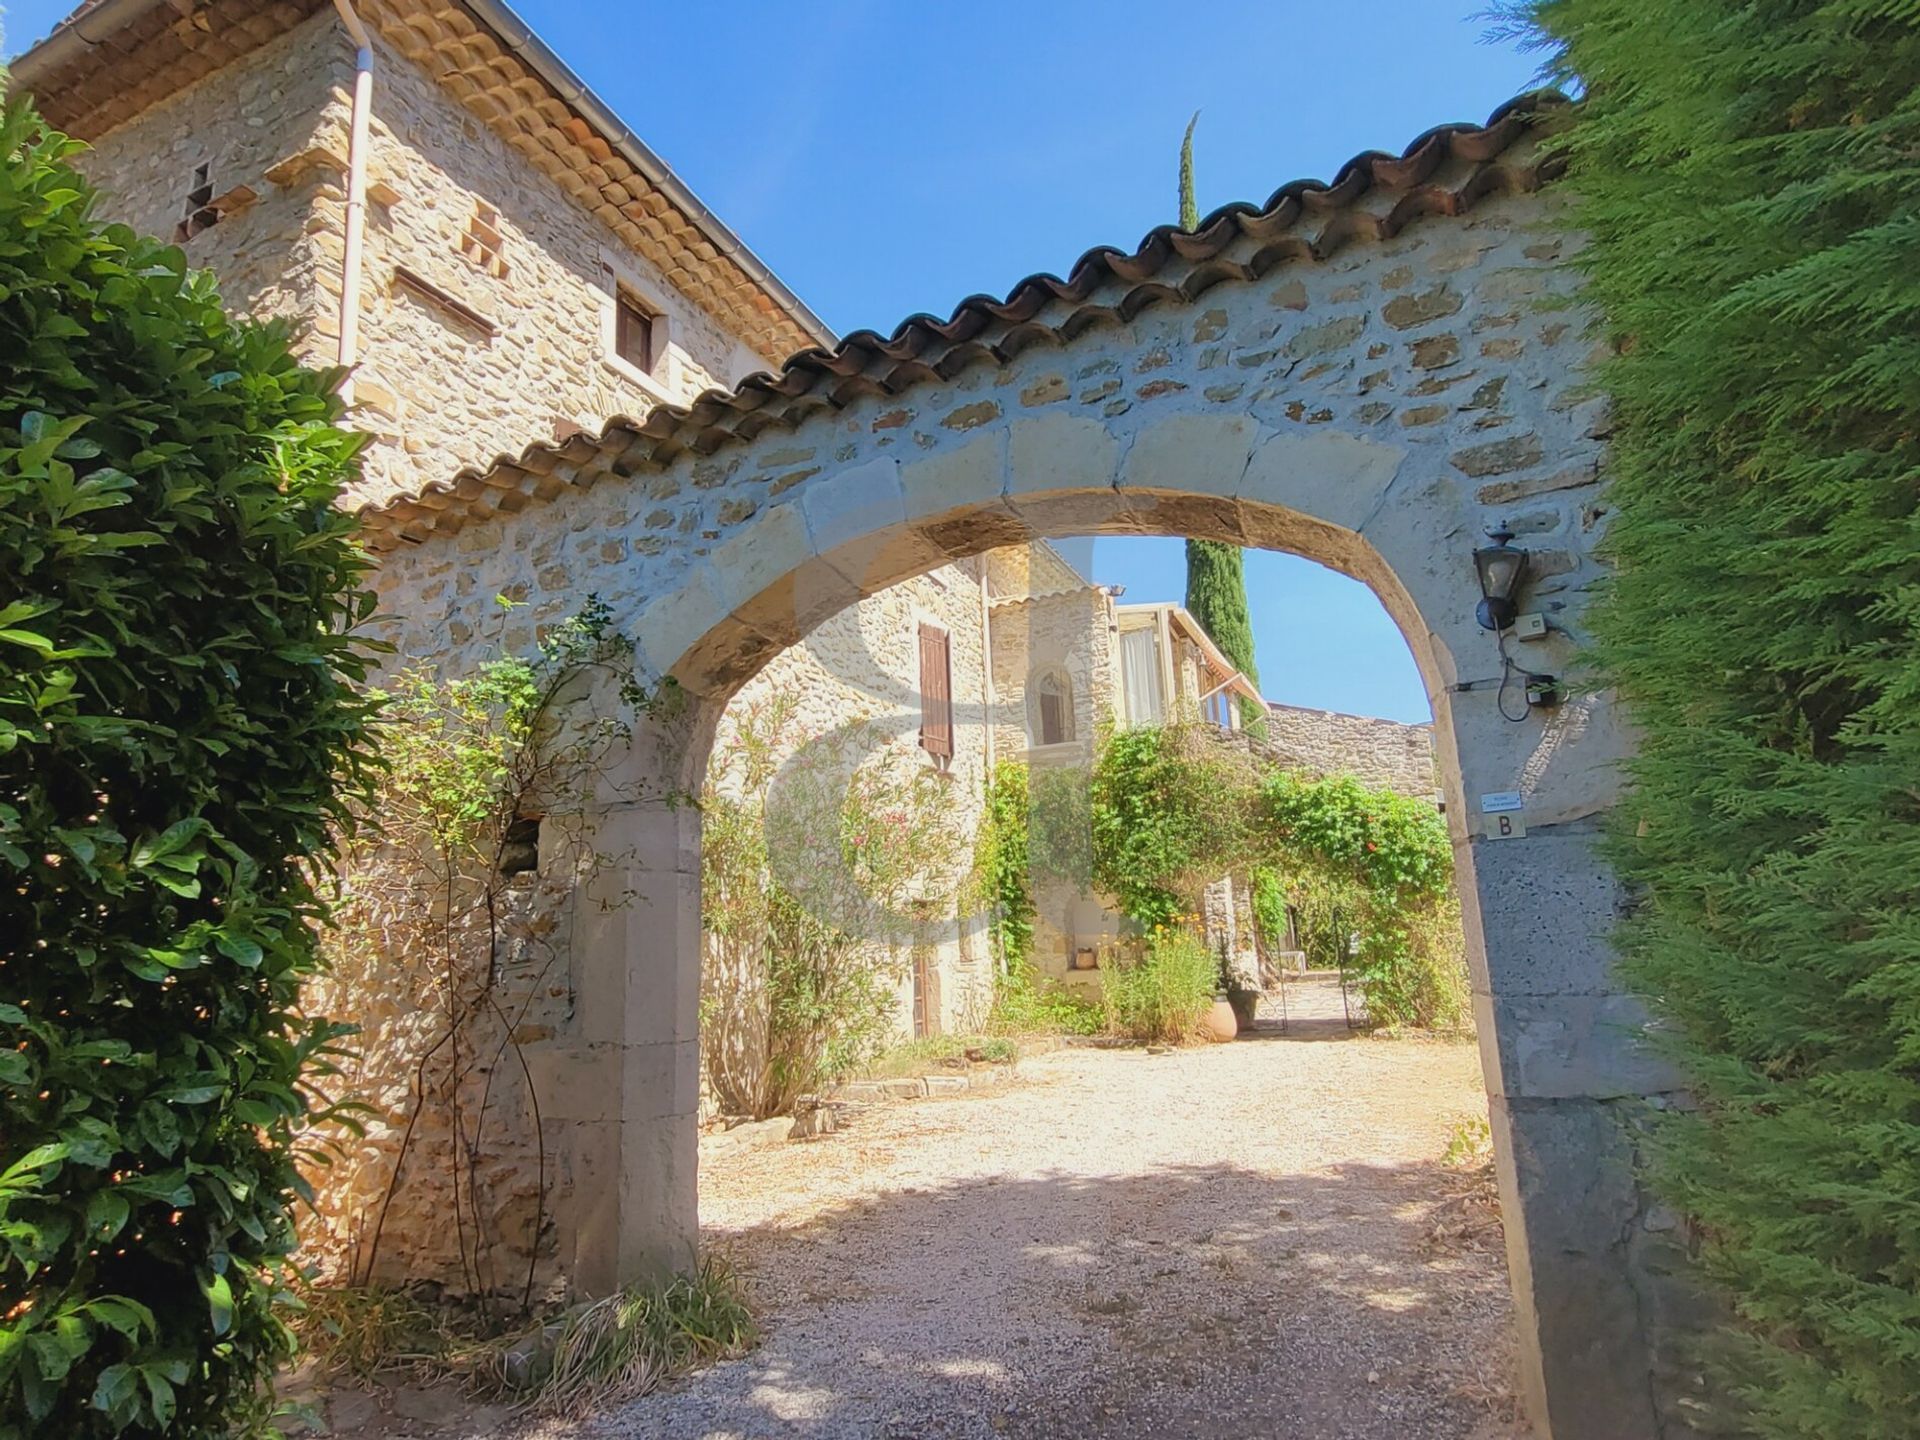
[242, 123]
[863, 665]
[1370, 387]
[442, 393]
[1070, 631]
[440, 389]
[1378, 752]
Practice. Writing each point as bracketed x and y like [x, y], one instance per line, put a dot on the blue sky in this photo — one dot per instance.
[887, 158]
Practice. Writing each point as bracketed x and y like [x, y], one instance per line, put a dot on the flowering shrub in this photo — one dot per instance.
[1163, 996]
[823, 860]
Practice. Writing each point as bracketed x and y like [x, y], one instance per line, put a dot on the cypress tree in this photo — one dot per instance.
[1749, 174]
[1217, 598]
[1216, 573]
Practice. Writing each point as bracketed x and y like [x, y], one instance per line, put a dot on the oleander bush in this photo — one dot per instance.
[179, 735]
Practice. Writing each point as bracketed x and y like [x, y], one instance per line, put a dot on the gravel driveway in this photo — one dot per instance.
[1255, 1239]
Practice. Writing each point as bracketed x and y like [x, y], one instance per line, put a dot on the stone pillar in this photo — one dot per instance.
[626, 1202]
[1598, 1271]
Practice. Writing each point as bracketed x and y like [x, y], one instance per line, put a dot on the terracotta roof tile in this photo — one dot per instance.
[1374, 196]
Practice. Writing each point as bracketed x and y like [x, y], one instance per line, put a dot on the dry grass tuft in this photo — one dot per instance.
[619, 1348]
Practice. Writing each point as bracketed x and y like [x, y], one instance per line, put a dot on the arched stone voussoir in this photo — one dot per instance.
[1327, 474]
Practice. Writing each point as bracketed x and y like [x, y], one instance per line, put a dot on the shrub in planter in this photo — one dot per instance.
[178, 725]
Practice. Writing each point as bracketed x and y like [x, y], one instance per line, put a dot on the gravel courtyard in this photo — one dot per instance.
[1255, 1239]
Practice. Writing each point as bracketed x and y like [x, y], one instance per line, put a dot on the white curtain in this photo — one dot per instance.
[1140, 673]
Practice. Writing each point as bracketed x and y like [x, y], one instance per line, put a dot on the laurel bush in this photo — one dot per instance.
[179, 728]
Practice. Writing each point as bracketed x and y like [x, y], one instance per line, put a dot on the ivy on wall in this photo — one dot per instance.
[1003, 867]
[179, 735]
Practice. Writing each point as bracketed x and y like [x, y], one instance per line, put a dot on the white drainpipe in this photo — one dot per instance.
[349, 351]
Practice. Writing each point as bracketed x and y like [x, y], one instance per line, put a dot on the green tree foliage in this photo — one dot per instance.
[1216, 573]
[1750, 176]
[178, 736]
[1003, 868]
[1172, 811]
[1167, 812]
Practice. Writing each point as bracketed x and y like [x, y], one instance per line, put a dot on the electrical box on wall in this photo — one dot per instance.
[1532, 626]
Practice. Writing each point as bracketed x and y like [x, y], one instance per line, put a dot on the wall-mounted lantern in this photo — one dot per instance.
[1501, 567]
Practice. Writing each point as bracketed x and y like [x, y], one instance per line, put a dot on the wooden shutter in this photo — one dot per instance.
[632, 332]
[936, 692]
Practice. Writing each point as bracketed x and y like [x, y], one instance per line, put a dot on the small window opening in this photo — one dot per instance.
[633, 331]
[520, 846]
[483, 243]
[200, 212]
[1052, 708]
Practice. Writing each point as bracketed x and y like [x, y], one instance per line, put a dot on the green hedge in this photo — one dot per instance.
[177, 721]
[1750, 176]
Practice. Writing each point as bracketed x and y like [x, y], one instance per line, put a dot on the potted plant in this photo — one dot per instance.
[1245, 1003]
[1224, 1020]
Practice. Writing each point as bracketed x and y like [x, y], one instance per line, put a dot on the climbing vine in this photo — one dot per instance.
[826, 861]
[1168, 815]
[1172, 811]
[1003, 866]
[450, 931]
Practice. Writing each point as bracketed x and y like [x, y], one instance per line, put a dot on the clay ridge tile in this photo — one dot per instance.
[1302, 220]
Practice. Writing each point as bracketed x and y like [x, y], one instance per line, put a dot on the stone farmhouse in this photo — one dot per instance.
[579, 381]
[498, 302]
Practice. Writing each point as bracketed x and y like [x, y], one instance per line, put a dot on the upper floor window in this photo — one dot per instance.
[200, 213]
[633, 329]
[936, 693]
[483, 243]
[1050, 707]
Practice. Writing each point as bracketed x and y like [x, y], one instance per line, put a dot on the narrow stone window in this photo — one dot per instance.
[520, 846]
[200, 212]
[633, 326]
[483, 243]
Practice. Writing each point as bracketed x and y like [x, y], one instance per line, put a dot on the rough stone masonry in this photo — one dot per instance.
[1371, 374]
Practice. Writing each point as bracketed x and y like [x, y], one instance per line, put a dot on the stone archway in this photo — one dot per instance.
[1366, 374]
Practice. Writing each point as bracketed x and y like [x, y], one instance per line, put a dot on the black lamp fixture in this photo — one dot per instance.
[1501, 566]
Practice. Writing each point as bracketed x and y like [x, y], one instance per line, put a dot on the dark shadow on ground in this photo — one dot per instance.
[1194, 1301]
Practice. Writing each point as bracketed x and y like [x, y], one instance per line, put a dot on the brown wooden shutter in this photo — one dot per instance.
[936, 692]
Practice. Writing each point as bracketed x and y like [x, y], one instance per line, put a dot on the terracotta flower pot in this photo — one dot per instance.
[1220, 1023]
